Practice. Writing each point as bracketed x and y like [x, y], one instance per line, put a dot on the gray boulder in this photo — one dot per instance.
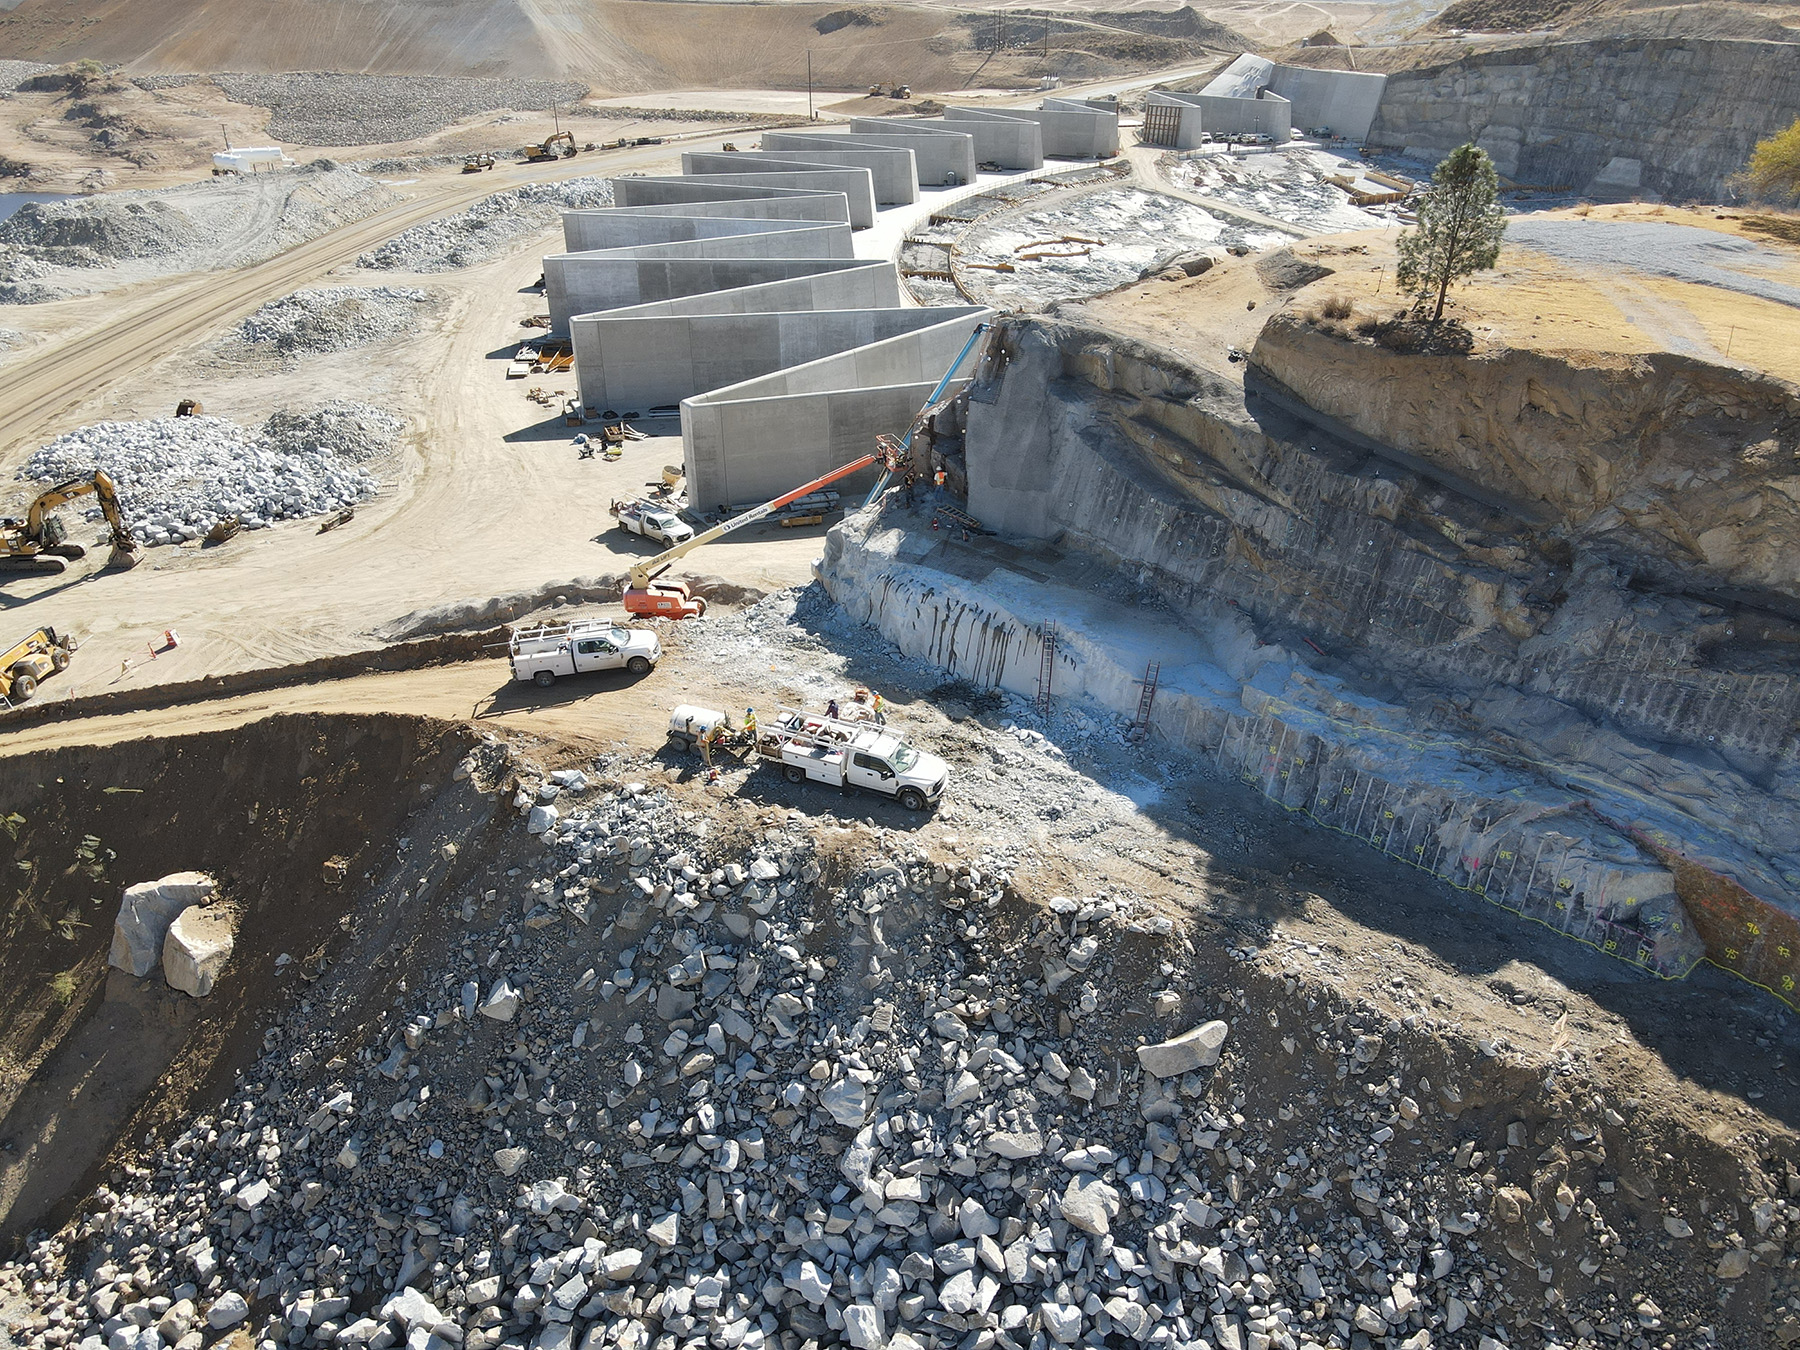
[145, 913]
[198, 945]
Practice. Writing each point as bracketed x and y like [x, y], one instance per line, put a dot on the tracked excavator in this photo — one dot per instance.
[40, 542]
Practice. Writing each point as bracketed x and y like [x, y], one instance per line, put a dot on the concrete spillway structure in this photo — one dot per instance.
[690, 255]
[855, 184]
[893, 169]
[787, 355]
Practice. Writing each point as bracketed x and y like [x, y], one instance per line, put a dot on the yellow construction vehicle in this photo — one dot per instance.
[26, 664]
[40, 542]
[559, 146]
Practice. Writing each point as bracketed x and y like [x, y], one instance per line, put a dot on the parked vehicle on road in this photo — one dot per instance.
[550, 651]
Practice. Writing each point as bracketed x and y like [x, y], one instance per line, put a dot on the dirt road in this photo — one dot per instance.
[488, 498]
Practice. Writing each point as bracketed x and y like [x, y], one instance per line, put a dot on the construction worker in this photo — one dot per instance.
[831, 709]
[707, 737]
[880, 706]
[911, 482]
[750, 727]
[938, 479]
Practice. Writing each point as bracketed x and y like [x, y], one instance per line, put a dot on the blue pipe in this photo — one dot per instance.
[933, 397]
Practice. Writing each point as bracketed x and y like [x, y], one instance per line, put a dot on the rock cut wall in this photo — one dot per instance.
[1671, 117]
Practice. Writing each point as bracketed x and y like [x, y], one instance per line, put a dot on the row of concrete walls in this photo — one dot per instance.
[893, 174]
[577, 284]
[784, 366]
[830, 207]
[1011, 143]
[1067, 129]
[646, 360]
[945, 158]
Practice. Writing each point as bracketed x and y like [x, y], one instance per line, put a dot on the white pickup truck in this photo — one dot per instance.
[652, 522]
[852, 756]
[542, 654]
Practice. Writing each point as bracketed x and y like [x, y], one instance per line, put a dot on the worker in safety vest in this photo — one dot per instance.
[750, 727]
[880, 707]
[707, 739]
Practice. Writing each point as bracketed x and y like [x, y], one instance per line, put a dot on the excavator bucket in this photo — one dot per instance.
[123, 559]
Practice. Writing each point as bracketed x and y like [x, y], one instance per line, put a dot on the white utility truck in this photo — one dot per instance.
[653, 522]
[854, 755]
[543, 653]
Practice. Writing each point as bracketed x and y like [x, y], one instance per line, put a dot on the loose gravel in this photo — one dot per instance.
[333, 320]
[486, 228]
[15, 73]
[178, 476]
[327, 109]
[1679, 252]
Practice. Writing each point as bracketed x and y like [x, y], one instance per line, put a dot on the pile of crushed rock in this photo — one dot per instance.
[327, 108]
[801, 1087]
[334, 319]
[178, 476]
[487, 228]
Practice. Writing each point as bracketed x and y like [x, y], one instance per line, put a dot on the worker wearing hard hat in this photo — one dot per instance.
[750, 727]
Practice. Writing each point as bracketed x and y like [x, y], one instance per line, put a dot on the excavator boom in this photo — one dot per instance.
[38, 545]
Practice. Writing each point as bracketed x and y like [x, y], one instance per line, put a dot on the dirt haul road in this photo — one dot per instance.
[488, 497]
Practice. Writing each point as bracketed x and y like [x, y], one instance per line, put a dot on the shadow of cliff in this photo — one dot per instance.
[1258, 866]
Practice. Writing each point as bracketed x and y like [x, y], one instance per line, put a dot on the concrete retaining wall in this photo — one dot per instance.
[1013, 143]
[1219, 115]
[1066, 131]
[856, 184]
[896, 176]
[632, 358]
[577, 284]
[829, 207]
[944, 157]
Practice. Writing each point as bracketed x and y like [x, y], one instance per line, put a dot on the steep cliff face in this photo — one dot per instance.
[1613, 118]
[1527, 651]
[1685, 471]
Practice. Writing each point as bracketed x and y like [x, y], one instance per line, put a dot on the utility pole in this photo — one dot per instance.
[999, 31]
[811, 116]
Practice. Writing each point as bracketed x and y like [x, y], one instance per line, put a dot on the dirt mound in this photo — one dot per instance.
[80, 234]
[865, 17]
[1283, 270]
[263, 809]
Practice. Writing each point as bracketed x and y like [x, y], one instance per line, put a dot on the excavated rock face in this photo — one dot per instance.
[1521, 593]
[1668, 464]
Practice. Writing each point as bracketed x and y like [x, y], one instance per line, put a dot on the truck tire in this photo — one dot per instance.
[544, 679]
[700, 612]
[638, 665]
[795, 774]
[24, 685]
[912, 799]
[59, 658]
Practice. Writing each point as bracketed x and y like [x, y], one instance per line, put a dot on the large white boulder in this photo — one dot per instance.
[145, 913]
[198, 945]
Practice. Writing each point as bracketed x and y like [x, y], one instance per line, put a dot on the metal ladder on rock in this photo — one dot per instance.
[1046, 671]
[1140, 725]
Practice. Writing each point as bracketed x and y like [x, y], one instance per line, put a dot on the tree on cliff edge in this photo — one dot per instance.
[1460, 224]
[1773, 174]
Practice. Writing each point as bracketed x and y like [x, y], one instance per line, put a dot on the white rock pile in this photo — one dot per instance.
[178, 476]
[486, 228]
[661, 1091]
[334, 319]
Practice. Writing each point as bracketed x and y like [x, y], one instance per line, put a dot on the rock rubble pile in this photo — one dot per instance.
[334, 319]
[178, 476]
[486, 228]
[315, 108]
[804, 1087]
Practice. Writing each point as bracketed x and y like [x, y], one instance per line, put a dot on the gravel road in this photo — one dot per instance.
[1679, 252]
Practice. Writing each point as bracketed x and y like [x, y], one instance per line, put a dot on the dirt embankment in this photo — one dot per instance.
[89, 1055]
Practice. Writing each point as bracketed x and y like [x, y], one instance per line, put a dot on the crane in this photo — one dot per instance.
[935, 402]
[645, 595]
[39, 544]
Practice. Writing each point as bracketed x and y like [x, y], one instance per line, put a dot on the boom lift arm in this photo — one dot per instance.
[642, 595]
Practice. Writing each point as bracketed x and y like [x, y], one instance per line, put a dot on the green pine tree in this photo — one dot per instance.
[1460, 224]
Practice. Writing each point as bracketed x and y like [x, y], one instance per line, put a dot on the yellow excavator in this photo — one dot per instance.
[559, 146]
[40, 542]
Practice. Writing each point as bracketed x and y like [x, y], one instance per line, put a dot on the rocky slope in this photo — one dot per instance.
[1615, 117]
